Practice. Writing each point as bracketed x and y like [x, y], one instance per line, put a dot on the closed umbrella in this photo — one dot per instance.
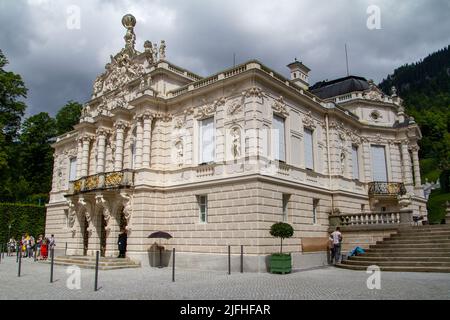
[160, 235]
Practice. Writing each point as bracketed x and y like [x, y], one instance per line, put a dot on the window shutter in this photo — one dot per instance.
[309, 158]
[379, 163]
[207, 140]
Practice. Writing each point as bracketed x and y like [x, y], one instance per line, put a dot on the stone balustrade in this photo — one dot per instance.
[371, 219]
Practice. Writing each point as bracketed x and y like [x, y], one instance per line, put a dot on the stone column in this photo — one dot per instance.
[79, 157]
[147, 140]
[416, 164]
[101, 152]
[120, 132]
[85, 156]
[407, 173]
[139, 143]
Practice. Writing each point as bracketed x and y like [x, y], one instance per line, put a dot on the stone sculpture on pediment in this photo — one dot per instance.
[279, 106]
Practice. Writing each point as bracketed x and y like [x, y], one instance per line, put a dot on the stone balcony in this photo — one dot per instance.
[379, 189]
[102, 181]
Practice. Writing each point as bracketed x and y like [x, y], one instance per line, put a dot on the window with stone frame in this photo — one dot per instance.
[309, 149]
[285, 206]
[279, 138]
[72, 169]
[203, 208]
[207, 140]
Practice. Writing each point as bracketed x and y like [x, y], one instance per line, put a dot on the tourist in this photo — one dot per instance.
[38, 246]
[30, 246]
[51, 243]
[23, 245]
[44, 249]
[122, 243]
[11, 246]
[337, 240]
[330, 247]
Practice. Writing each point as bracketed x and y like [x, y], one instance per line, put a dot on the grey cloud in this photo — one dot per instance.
[58, 64]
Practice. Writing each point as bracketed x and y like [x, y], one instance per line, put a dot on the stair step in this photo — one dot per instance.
[417, 237]
[424, 246]
[425, 232]
[397, 263]
[408, 250]
[394, 258]
[407, 254]
[398, 269]
[92, 266]
[414, 241]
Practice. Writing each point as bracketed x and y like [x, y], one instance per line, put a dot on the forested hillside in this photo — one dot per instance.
[425, 88]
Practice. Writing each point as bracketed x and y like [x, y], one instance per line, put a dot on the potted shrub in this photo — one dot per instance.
[280, 262]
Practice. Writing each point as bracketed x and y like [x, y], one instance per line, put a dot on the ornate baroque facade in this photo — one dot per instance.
[216, 161]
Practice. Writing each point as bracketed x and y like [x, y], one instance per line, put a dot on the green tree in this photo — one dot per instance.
[37, 153]
[283, 231]
[68, 116]
[12, 88]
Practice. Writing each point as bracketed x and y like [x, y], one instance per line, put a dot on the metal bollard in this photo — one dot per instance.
[65, 251]
[20, 265]
[17, 254]
[242, 259]
[173, 265]
[52, 256]
[229, 259]
[1, 253]
[97, 256]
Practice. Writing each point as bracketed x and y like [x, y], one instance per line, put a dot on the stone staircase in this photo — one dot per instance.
[413, 249]
[89, 262]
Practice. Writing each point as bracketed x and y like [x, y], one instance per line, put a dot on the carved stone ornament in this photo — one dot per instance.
[308, 121]
[123, 68]
[235, 142]
[209, 109]
[253, 92]
[279, 106]
[102, 204]
[234, 108]
[373, 93]
[127, 208]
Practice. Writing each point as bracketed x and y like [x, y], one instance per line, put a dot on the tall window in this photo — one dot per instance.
[133, 155]
[73, 169]
[309, 152]
[279, 143]
[379, 164]
[355, 162]
[285, 204]
[207, 147]
[314, 215]
[203, 208]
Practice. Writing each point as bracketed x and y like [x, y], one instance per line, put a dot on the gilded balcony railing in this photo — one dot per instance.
[389, 189]
[107, 180]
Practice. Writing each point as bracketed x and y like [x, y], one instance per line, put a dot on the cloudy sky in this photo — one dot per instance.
[59, 62]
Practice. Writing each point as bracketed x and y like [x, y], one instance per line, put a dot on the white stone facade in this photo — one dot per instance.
[139, 148]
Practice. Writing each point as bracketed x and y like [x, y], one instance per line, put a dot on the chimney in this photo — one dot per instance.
[299, 74]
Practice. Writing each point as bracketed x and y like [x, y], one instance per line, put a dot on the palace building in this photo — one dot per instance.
[216, 160]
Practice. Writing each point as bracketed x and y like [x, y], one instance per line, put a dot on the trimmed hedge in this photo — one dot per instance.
[23, 218]
[436, 206]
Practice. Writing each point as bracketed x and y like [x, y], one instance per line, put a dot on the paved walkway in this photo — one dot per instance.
[150, 283]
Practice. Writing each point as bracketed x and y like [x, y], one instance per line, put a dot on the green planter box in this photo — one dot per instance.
[280, 263]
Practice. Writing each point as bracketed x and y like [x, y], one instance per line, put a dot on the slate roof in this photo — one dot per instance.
[328, 89]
